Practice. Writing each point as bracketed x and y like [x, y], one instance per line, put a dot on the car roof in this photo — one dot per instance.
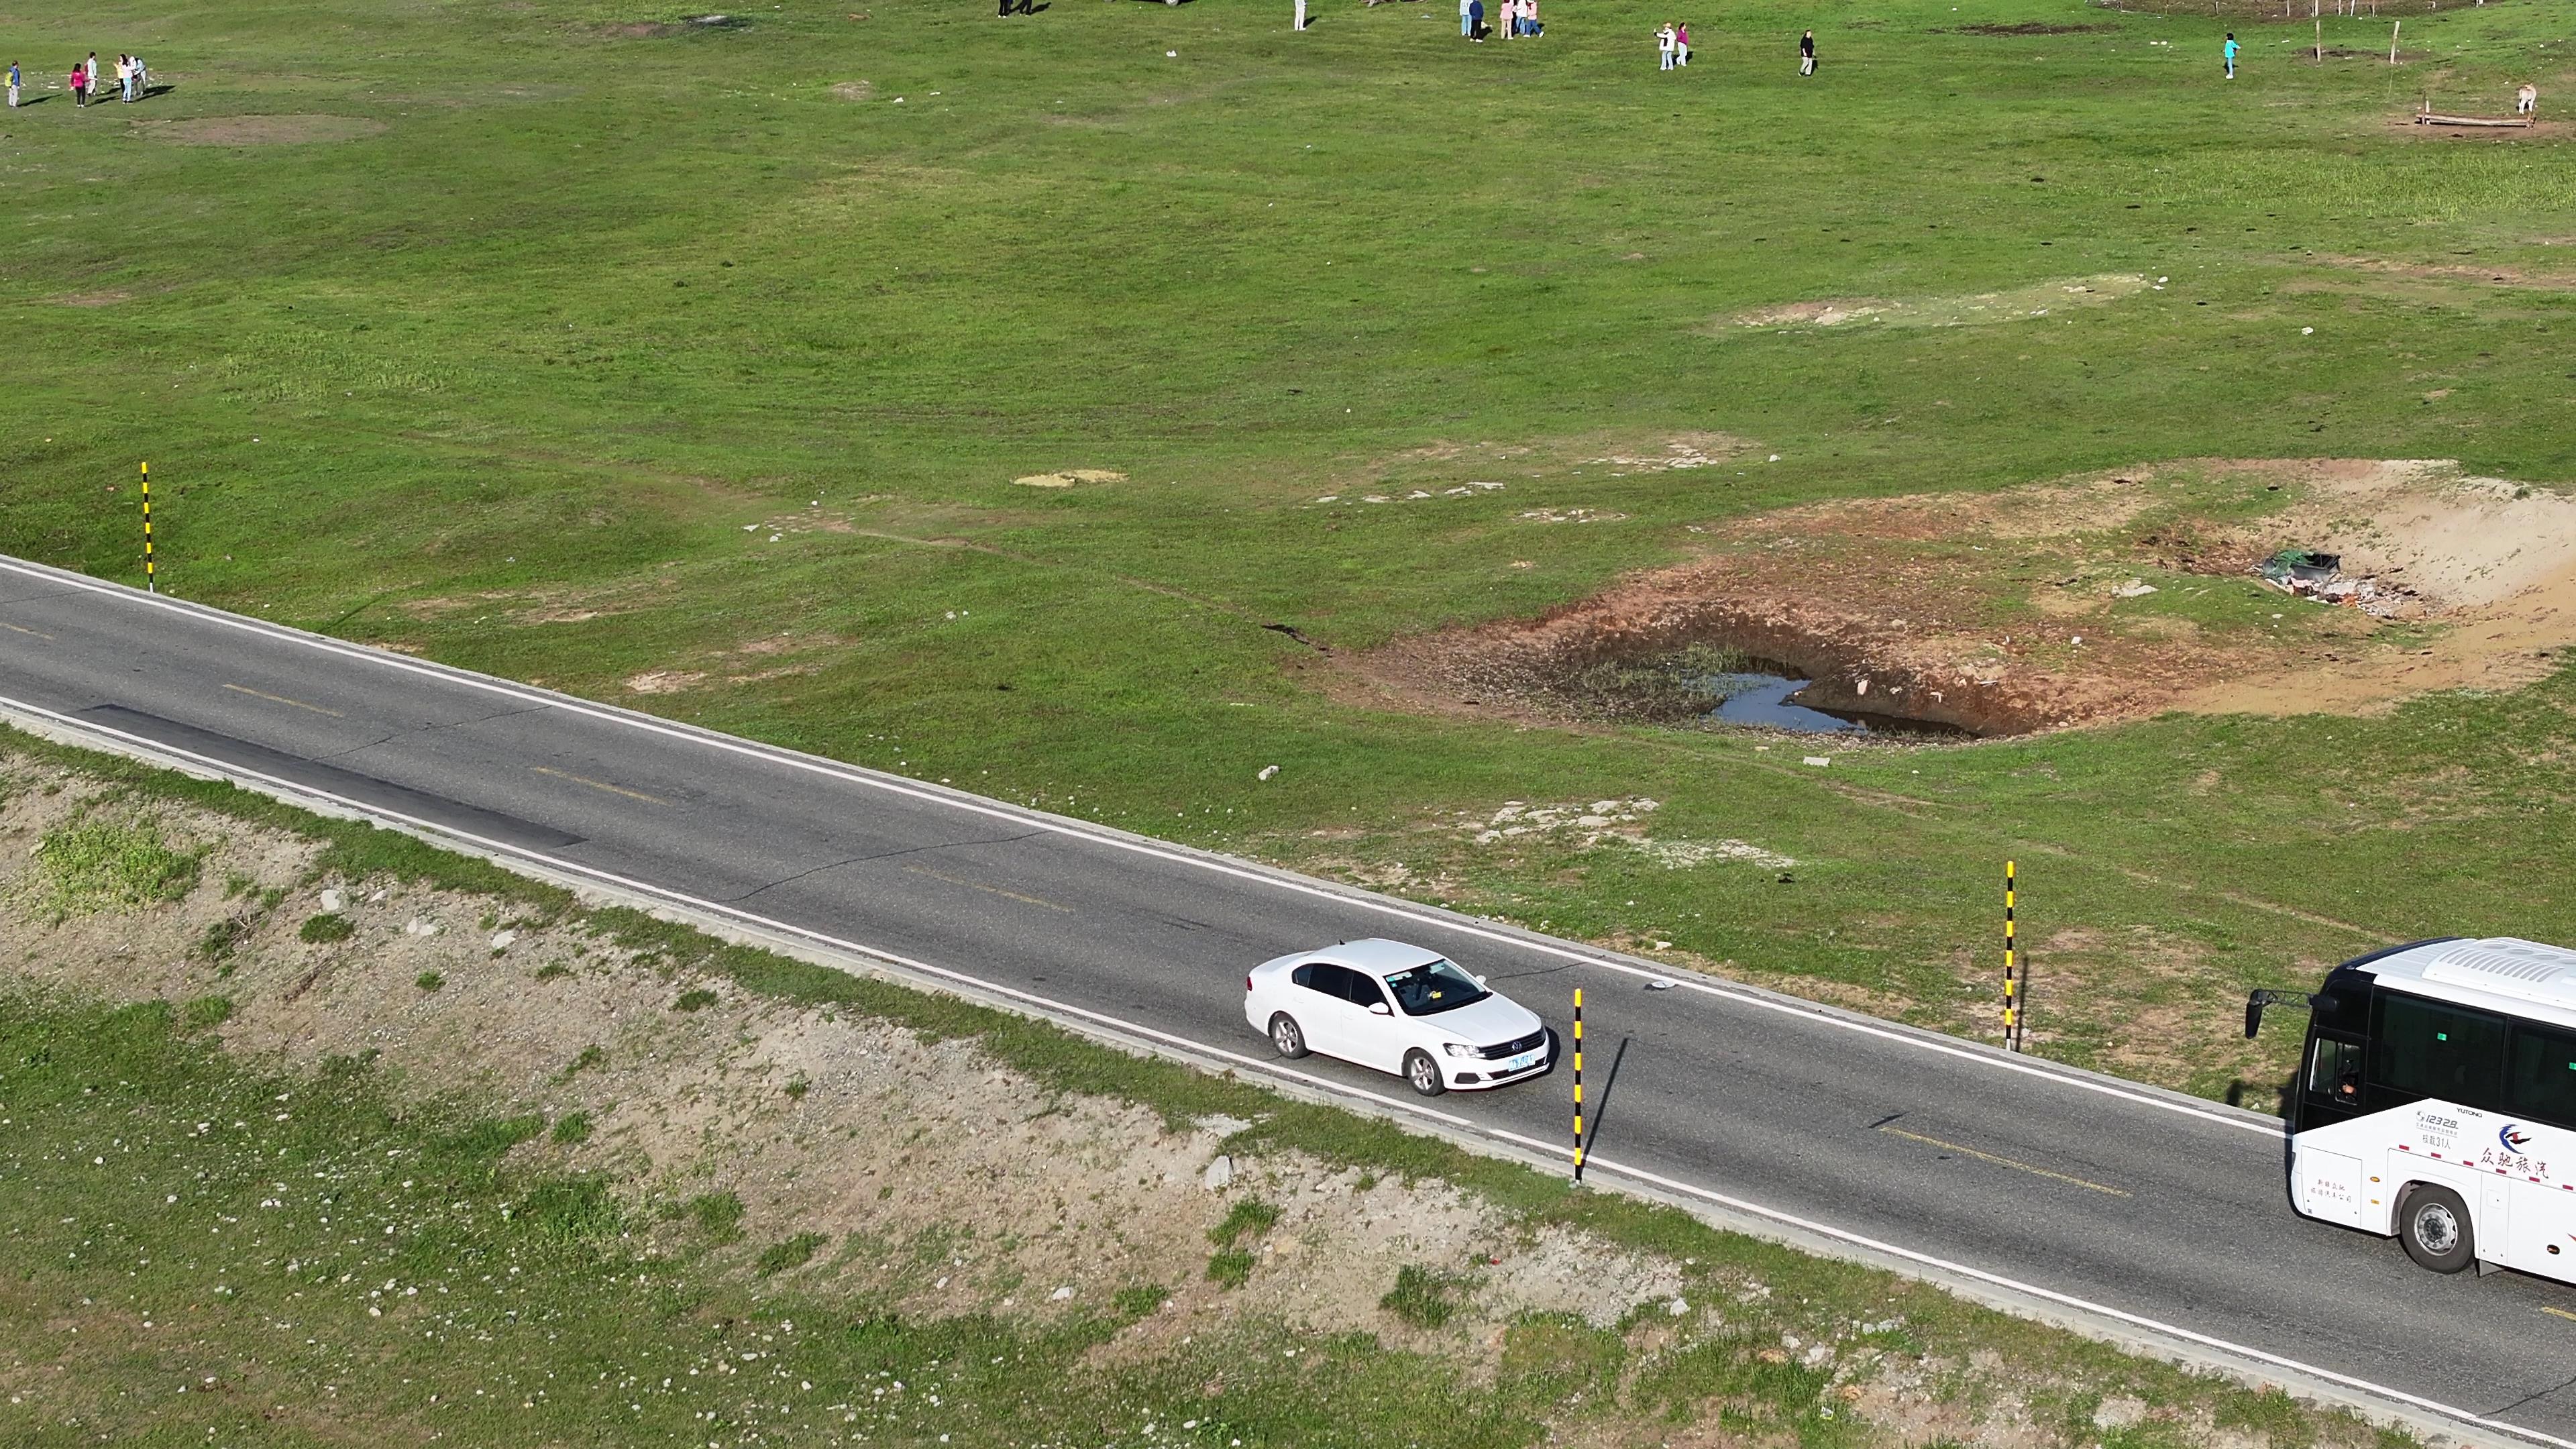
[1376, 954]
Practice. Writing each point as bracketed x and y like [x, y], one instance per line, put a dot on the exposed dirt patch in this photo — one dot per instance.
[1069, 477]
[665, 681]
[263, 130]
[2040, 299]
[2028, 27]
[2033, 608]
[94, 299]
[857, 90]
[2492, 276]
[2405, 125]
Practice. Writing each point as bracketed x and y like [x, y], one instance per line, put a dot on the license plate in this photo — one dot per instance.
[1525, 1059]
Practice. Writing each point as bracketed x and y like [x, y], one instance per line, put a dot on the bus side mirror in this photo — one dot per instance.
[2256, 1001]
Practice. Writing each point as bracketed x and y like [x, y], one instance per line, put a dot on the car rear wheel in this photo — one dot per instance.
[1287, 1036]
[2434, 1225]
[1424, 1073]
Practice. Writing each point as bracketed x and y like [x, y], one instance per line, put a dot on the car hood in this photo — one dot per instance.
[1490, 1022]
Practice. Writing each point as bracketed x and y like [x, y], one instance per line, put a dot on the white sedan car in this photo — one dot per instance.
[1400, 1009]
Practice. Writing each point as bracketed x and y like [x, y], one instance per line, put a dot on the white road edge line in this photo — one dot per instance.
[1078, 830]
[1397, 1105]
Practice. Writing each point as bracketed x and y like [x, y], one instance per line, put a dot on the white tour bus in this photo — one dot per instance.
[2436, 1101]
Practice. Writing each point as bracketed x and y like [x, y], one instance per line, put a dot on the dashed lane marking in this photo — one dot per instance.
[977, 885]
[599, 785]
[2015, 1165]
[282, 699]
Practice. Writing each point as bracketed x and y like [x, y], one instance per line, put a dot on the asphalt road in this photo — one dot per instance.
[2117, 1199]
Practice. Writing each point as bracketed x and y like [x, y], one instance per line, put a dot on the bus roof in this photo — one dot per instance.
[2501, 973]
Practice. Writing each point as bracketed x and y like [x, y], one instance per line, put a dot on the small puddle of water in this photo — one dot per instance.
[1756, 698]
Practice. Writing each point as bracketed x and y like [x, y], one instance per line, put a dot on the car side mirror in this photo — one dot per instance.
[1380, 1008]
[1480, 980]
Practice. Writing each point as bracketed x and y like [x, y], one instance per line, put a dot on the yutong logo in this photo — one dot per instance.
[2512, 1138]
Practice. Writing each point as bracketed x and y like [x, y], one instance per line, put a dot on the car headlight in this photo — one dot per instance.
[1457, 1049]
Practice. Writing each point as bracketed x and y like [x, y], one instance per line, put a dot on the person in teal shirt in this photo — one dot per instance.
[2230, 52]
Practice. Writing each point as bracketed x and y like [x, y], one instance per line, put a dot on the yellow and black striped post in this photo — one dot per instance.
[150, 584]
[2012, 983]
[1578, 1086]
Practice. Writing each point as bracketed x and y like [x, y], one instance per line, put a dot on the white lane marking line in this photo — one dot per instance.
[2013, 1163]
[598, 784]
[1840, 1235]
[1081, 831]
[282, 699]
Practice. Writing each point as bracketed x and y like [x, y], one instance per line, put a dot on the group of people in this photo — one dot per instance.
[1515, 17]
[132, 80]
[1672, 45]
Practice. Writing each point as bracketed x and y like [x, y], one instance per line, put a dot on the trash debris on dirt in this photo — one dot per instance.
[2308, 574]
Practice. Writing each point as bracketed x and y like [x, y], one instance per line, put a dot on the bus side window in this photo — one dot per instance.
[2430, 1049]
[2543, 1084]
[2334, 1070]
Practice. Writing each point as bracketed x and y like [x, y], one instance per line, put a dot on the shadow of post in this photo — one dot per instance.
[1597, 1111]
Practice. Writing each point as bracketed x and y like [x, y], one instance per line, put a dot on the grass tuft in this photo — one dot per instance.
[98, 864]
[326, 928]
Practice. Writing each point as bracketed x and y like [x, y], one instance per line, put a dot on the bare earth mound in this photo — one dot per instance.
[2067, 603]
[264, 130]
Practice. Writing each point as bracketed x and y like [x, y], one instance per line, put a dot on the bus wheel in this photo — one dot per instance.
[2434, 1226]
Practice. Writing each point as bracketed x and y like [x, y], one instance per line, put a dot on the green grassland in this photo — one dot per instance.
[528, 370]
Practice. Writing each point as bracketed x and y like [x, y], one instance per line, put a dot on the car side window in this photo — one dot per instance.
[1324, 977]
[1364, 990]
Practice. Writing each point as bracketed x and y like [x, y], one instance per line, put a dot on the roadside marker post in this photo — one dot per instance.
[2012, 976]
[151, 585]
[1578, 1086]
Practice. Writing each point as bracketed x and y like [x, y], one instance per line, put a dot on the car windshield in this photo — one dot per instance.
[1434, 987]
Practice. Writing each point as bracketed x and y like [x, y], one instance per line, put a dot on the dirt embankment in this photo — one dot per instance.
[2063, 604]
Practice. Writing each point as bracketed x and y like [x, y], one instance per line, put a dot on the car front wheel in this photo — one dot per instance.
[1424, 1073]
[1287, 1036]
[2434, 1225]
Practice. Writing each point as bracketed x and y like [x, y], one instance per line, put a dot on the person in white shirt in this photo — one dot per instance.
[1466, 21]
[1664, 45]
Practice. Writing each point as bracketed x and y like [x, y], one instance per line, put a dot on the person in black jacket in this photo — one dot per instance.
[1807, 53]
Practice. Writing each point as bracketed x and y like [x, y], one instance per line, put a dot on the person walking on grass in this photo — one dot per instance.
[80, 87]
[1664, 45]
[13, 85]
[1681, 45]
[1466, 19]
[125, 78]
[1807, 53]
[2228, 51]
[1476, 21]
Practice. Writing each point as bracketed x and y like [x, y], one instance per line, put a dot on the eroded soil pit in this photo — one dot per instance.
[2054, 605]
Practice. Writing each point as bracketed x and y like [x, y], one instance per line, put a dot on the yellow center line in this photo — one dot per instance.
[282, 699]
[996, 890]
[23, 629]
[2000, 1161]
[601, 785]
[2561, 1312]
